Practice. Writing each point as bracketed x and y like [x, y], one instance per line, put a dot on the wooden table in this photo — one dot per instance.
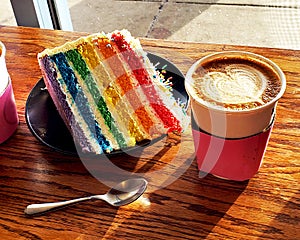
[188, 207]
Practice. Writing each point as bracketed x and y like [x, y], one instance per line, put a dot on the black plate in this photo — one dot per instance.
[47, 126]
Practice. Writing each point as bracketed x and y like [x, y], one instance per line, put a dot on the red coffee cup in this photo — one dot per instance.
[8, 112]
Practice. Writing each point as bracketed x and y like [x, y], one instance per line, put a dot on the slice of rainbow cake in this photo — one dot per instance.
[108, 93]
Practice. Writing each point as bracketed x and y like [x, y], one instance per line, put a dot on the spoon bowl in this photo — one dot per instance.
[123, 193]
[126, 192]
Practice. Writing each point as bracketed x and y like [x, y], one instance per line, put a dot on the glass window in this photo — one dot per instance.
[270, 23]
[7, 16]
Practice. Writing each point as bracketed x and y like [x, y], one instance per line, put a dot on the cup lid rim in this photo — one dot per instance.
[3, 50]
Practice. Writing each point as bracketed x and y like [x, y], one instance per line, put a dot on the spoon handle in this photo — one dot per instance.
[43, 207]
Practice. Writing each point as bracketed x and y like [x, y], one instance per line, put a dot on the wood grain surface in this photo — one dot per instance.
[177, 204]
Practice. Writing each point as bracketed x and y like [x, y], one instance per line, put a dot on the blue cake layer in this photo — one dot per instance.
[80, 99]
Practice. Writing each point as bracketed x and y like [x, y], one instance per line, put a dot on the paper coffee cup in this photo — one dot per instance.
[233, 97]
[4, 78]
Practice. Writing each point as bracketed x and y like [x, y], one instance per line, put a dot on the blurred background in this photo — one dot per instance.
[265, 23]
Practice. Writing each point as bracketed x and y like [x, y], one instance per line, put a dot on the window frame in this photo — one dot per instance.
[49, 14]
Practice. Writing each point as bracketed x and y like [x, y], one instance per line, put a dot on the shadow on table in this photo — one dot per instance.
[283, 221]
[186, 206]
[193, 206]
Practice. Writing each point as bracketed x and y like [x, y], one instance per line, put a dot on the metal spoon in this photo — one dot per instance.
[122, 194]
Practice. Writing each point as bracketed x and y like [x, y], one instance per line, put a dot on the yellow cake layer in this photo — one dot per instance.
[112, 97]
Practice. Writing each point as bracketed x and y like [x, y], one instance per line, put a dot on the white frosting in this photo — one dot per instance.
[238, 84]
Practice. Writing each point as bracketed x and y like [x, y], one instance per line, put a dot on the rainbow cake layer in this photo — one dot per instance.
[108, 93]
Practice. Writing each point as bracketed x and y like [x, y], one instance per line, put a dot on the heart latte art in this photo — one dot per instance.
[235, 84]
[238, 84]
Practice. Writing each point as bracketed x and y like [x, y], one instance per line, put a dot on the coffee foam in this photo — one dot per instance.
[233, 85]
[238, 84]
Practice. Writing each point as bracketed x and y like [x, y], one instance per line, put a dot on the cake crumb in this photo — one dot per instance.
[173, 138]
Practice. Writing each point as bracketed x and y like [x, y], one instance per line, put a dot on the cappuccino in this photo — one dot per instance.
[234, 93]
[235, 83]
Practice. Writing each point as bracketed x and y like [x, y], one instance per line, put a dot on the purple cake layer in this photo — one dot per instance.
[59, 99]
